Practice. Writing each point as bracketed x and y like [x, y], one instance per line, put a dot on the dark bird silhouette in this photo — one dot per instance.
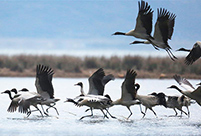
[195, 53]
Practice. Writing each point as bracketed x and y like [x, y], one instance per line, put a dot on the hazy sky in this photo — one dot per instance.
[84, 27]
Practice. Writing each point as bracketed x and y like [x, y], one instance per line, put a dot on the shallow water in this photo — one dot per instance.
[68, 123]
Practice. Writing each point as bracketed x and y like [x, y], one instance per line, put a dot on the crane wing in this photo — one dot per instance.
[43, 81]
[171, 22]
[128, 86]
[164, 25]
[13, 106]
[107, 78]
[194, 54]
[197, 92]
[96, 86]
[184, 83]
[24, 106]
[144, 18]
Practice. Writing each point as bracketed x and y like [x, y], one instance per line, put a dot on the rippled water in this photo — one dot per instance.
[68, 123]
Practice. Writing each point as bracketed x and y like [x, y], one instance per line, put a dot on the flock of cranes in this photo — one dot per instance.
[23, 99]
[163, 31]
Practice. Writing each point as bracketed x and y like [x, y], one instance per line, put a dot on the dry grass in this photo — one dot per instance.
[68, 66]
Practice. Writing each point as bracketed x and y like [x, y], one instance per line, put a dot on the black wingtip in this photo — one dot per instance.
[40, 69]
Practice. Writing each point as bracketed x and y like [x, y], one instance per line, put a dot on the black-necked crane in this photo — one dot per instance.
[143, 25]
[93, 102]
[26, 91]
[9, 93]
[23, 100]
[190, 91]
[177, 102]
[81, 88]
[128, 92]
[164, 27]
[151, 100]
[43, 83]
[195, 53]
[97, 83]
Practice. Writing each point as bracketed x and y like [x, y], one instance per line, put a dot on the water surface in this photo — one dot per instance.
[68, 123]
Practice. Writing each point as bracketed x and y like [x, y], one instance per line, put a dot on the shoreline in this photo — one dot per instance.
[87, 73]
[69, 66]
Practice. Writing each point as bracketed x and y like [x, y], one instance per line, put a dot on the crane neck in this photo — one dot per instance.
[82, 90]
[71, 100]
[119, 33]
[139, 42]
[175, 87]
[137, 87]
[10, 96]
[183, 49]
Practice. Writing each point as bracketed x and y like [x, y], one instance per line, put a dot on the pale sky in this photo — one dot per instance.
[84, 27]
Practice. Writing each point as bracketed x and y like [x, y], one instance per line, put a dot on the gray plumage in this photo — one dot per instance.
[163, 31]
[194, 53]
[43, 83]
[143, 25]
[98, 81]
[128, 92]
[190, 91]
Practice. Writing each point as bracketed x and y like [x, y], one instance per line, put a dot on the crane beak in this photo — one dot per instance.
[67, 100]
[199, 83]
[178, 49]
[3, 92]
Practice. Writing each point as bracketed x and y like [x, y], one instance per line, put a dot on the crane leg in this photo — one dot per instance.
[130, 112]
[87, 110]
[110, 114]
[39, 111]
[52, 106]
[172, 57]
[30, 111]
[141, 110]
[104, 113]
[156, 48]
[153, 112]
[182, 112]
[172, 54]
[87, 115]
[175, 112]
[188, 111]
[145, 112]
[44, 111]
